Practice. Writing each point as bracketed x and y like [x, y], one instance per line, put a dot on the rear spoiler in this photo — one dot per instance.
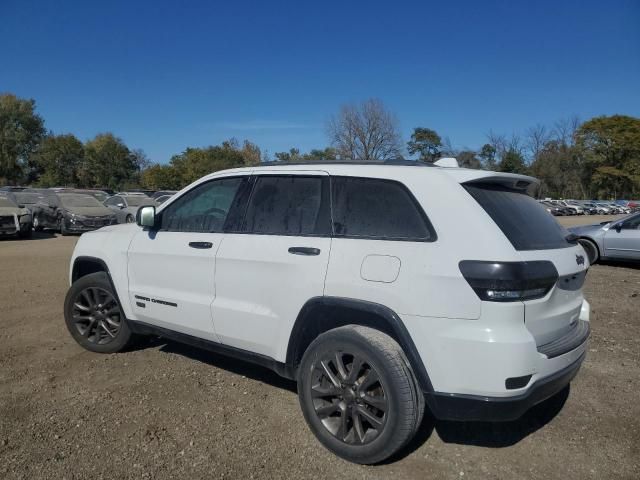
[527, 184]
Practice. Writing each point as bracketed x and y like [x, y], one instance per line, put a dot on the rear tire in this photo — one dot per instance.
[591, 249]
[358, 394]
[94, 316]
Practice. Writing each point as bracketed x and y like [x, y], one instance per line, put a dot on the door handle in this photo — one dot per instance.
[304, 251]
[200, 245]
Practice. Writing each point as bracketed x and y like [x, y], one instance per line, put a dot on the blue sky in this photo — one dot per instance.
[164, 75]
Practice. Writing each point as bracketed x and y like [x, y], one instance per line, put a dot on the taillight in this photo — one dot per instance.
[509, 281]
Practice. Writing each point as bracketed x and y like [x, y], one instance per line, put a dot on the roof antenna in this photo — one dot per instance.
[448, 162]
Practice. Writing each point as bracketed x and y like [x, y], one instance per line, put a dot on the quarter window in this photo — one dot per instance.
[202, 209]
[376, 208]
[289, 205]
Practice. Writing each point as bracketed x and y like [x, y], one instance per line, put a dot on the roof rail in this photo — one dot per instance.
[398, 161]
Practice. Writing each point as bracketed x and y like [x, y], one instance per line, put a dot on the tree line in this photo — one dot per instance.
[598, 158]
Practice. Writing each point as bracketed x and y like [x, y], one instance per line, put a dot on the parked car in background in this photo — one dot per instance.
[11, 188]
[162, 193]
[162, 198]
[125, 205]
[554, 210]
[71, 213]
[617, 240]
[574, 209]
[27, 198]
[14, 218]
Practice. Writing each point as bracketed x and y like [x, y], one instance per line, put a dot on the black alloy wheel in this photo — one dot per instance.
[94, 316]
[97, 315]
[349, 397]
[358, 393]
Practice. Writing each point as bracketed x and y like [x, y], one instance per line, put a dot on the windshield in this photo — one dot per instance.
[5, 202]
[79, 201]
[139, 200]
[27, 198]
[526, 223]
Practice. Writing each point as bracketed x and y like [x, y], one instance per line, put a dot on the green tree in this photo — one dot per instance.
[488, 157]
[609, 147]
[108, 163]
[194, 163]
[21, 130]
[468, 159]
[160, 177]
[57, 160]
[512, 162]
[425, 142]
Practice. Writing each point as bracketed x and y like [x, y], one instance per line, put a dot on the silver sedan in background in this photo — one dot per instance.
[125, 206]
[616, 240]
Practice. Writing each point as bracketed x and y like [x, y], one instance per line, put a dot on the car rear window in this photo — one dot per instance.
[525, 222]
[377, 209]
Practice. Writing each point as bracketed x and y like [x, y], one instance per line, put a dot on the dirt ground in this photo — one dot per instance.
[165, 410]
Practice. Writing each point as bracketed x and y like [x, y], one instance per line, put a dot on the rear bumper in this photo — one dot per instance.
[460, 407]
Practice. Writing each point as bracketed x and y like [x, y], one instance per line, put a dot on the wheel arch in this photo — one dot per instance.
[321, 314]
[84, 265]
[592, 241]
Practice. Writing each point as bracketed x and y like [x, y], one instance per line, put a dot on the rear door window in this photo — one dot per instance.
[525, 223]
[289, 205]
[377, 209]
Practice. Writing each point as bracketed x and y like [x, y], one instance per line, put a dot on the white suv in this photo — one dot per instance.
[379, 288]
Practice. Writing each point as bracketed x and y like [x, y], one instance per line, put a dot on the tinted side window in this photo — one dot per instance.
[202, 209]
[289, 205]
[376, 208]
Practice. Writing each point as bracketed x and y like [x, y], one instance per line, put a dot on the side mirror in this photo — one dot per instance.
[120, 205]
[618, 227]
[146, 216]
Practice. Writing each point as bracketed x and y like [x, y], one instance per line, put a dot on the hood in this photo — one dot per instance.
[89, 211]
[13, 210]
[587, 229]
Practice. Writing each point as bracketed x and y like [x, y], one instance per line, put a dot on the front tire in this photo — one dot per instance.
[94, 317]
[591, 249]
[358, 394]
[130, 219]
[37, 225]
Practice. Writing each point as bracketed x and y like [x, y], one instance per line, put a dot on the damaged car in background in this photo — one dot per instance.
[71, 213]
[14, 218]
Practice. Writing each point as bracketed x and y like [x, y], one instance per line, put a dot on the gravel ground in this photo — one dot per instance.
[165, 410]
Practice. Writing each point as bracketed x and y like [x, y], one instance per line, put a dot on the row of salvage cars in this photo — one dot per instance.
[589, 207]
[67, 210]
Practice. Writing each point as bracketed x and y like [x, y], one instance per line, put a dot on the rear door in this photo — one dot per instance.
[270, 266]
[537, 236]
[624, 241]
[171, 269]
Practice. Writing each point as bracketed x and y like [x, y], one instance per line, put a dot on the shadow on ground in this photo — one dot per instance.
[484, 434]
[35, 236]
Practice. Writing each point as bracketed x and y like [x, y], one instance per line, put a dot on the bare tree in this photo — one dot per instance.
[367, 131]
[564, 130]
[536, 139]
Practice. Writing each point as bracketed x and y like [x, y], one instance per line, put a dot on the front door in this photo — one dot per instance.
[171, 269]
[624, 241]
[278, 260]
